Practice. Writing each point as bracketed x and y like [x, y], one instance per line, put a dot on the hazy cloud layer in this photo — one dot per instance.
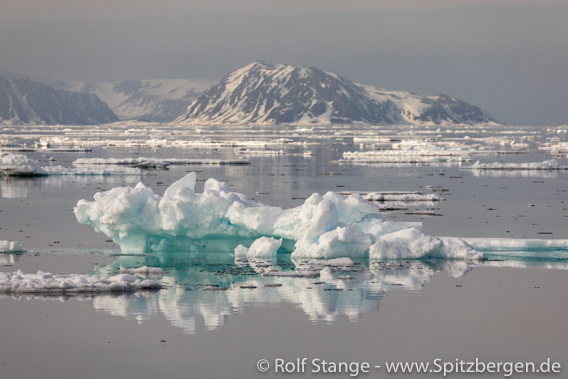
[509, 58]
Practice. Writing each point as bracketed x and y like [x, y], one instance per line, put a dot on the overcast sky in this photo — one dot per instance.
[509, 57]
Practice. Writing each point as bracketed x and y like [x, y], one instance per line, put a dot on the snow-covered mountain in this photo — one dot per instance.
[25, 101]
[156, 100]
[270, 93]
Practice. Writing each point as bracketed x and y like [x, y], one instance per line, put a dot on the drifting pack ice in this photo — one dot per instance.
[20, 165]
[328, 226]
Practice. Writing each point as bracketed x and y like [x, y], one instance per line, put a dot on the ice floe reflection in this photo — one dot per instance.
[544, 174]
[206, 289]
[25, 187]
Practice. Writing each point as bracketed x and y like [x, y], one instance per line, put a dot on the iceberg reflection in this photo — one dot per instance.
[206, 289]
[9, 259]
[210, 288]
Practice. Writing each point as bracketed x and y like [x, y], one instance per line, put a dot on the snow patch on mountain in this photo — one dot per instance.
[25, 101]
[155, 100]
[271, 93]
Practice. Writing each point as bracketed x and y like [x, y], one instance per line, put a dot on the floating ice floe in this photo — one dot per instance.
[157, 162]
[255, 144]
[11, 247]
[399, 196]
[384, 157]
[270, 152]
[328, 226]
[60, 170]
[555, 148]
[418, 151]
[44, 282]
[396, 161]
[551, 164]
[521, 248]
[26, 149]
[20, 165]
[259, 152]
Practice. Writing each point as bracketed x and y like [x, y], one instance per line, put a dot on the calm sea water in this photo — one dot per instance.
[216, 317]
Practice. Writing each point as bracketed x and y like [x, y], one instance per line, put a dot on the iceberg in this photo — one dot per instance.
[328, 226]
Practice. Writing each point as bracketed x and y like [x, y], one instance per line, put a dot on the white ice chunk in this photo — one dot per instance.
[458, 248]
[215, 185]
[412, 244]
[241, 251]
[44, 282]
[91, 170]
[187, 181]
[157, 162]
[404, 244]
[19, 165]
[264, 247]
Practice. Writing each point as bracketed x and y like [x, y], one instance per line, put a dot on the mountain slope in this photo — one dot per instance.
[156, 100]
[270, 93]
[24, 101]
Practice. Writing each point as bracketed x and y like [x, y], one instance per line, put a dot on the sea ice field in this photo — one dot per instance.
[144, 250]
